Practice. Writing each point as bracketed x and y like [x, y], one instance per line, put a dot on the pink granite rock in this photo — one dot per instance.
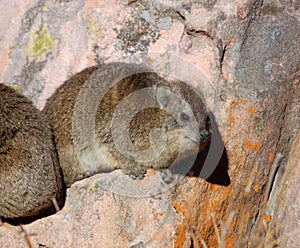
[242, 56]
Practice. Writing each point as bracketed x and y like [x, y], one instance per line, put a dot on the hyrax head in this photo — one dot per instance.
[171, 131]
[186, 121]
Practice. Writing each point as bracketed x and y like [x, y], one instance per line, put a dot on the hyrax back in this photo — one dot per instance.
[140, 121]
[30, 175]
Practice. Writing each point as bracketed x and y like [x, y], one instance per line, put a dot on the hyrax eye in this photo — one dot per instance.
[184, 117]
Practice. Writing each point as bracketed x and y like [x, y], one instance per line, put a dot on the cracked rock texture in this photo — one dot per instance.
[243, 56]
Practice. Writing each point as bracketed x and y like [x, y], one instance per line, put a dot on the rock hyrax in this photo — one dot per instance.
[30, 176]
[123, 116]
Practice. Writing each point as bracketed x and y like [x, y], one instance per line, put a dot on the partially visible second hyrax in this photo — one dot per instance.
[124, 116]
[30, 176]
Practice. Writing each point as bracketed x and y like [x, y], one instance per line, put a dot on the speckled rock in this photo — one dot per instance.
[242, 55]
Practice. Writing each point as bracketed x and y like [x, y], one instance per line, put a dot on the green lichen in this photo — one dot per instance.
[15, 87]
[45, 6]
[260, 125]
[40, 41]
[92, 26]
[94, 30]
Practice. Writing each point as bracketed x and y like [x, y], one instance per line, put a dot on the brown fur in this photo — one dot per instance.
[30, 175]
[60, 110]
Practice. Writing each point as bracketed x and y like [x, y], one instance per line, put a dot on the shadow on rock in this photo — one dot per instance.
[211, 163]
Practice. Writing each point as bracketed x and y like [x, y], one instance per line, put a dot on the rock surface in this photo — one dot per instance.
[242, 55]
[286, 213]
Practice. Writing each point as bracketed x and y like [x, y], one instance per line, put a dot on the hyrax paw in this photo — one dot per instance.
[166, 176]
[135, 172]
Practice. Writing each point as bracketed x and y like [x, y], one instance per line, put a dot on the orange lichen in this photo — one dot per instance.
[191, 219]
[271, 157]
[234, 103]
[156, 215]
[267, 218]
[257, 145]
[243, 100]
[214, 188]
[231, 119]
[247, 216]
[215, 205]
[213, 242]
[249, 145]
[246, 181]
[256, 188]
[232, 225]
[230, 240]
[251, 110]
[180, 208]
[180, 236]
[208, 218]
[218, 188]
[148, 60]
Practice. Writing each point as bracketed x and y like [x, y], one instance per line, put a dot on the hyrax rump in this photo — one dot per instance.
[123, 116]
[30, 176]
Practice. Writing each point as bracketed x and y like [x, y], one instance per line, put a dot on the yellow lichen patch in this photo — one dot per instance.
[94, 29]
[256, 188]
[45, 6]
[40, 41]
[93, 186]
[251, 110]
[92, 26]
[239, 156]
[260, 125]
[15, 87]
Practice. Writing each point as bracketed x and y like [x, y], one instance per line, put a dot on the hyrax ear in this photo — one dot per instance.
[163, 96]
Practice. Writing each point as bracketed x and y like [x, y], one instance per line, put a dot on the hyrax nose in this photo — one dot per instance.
[204, 135]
